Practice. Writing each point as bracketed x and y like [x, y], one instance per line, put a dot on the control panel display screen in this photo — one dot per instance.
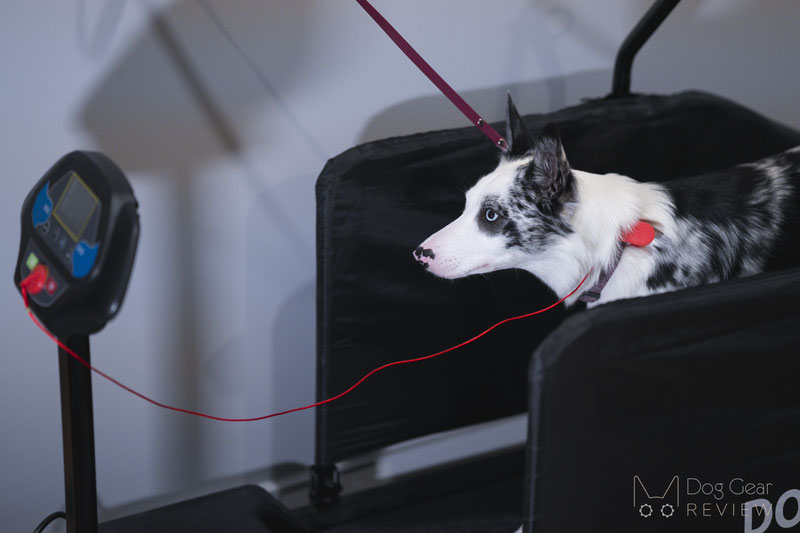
[75, 207]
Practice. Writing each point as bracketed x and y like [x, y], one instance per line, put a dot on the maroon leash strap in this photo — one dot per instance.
[593, 294]
[641, 234]
[432, 75]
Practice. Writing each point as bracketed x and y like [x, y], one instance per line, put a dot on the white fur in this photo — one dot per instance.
[609, 205]
[460, 248]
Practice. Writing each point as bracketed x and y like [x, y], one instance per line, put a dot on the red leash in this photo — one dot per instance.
[33, 282]
[432, 75]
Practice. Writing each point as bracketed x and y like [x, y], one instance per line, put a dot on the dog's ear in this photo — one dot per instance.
[549, 169]
[517, 136]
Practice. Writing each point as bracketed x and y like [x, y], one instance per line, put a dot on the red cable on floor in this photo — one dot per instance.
[82, 361]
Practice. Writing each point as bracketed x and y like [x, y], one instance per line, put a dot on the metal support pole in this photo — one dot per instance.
[639, 35]
[77, 422]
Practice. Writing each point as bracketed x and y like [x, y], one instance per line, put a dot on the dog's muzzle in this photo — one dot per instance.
[423, 256]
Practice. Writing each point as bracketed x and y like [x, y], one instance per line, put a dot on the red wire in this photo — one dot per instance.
[82, 361]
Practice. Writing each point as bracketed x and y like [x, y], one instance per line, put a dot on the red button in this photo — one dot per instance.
[36, 279]
[50, 286]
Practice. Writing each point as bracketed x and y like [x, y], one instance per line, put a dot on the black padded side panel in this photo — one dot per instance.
[700, 384]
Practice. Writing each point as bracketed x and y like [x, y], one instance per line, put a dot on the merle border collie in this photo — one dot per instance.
[534, 212]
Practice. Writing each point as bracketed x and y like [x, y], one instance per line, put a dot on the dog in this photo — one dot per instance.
[536, 213]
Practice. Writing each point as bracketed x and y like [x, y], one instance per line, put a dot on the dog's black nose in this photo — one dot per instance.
[423, 255]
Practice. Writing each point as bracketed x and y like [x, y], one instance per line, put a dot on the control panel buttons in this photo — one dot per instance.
[46, 285]
[51, 286]
[37, 279]
[66, 215]
[42, 206]
[31, 261]
[83, 259]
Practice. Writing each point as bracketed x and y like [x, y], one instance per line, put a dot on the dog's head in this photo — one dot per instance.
[514, 216]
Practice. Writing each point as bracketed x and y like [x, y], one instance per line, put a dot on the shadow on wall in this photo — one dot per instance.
[536, 33]
[171, 101]
[96, 33]
[295, 361]
[541, 96]
[285, 379]
[168, 107]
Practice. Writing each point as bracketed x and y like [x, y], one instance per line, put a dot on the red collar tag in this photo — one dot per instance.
[640, 234]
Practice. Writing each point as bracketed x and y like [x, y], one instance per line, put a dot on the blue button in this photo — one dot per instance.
[42, 206]
[83, 259]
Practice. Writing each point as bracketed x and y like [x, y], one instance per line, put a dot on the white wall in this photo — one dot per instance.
[222, 140]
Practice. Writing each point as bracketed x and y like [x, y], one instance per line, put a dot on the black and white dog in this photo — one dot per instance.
[535, 213]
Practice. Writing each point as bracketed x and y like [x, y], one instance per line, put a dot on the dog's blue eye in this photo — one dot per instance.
[491, 215]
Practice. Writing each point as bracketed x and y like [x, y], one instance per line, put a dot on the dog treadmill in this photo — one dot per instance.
[699, 383]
